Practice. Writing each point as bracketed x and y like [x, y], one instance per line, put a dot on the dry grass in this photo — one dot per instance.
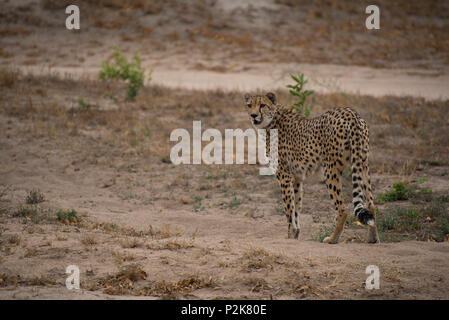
[130, 280]
[8, 77]
[14, 239]
[88, 240]
[13, 280]
[164, 232]
[259, 258]
[131, 243]
[172, 245]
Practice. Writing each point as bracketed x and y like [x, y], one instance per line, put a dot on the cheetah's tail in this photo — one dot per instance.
[361, 194]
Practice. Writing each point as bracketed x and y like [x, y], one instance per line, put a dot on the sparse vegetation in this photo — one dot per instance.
[34, 197]
[97, 140]
[26, 212]
[128, 280]
[67, 216]
[425, 223]
[14, 239]
[402, 192]
[131, 243]
[130, 72]
[198, 206]
[301, 95]
[259, 258]
[399, 192]
[88, 240]
[166, 231]
[325, 231]
[83, 103]
[8, 77]
[234, 202]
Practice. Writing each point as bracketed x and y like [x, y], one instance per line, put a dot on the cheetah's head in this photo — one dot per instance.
[261, 109]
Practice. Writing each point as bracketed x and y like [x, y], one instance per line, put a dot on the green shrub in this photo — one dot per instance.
[67, 215]
[83, 103]
[297, 91]
[26, 212]
[234, 202]
[121, 68]
[399, 192]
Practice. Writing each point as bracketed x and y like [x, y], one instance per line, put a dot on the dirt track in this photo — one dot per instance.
[323, 78]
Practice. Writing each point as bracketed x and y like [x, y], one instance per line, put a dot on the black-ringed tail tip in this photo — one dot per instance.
[365, 216]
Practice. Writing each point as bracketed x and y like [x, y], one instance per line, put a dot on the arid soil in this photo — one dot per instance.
[241, 45]
[138, 226]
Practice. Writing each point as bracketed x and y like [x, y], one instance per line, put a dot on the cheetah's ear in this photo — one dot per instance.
[272, 97]
[246, 96]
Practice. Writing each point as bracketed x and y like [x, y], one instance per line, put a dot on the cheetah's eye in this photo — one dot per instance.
[262, 105]
[249, 105]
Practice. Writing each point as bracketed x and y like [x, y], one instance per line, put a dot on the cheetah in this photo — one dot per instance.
[333, 140]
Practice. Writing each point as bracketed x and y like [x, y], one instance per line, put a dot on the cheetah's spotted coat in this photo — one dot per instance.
[333, 140]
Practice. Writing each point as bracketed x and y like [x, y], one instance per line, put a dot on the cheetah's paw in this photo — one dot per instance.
[329, 240]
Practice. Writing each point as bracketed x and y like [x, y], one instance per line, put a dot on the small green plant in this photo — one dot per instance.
[34, 196]
[166, 160]
[399, 192]
[297, 91]
[198, 206]
[67, 216]
[325, 231]
[131, 72]
[234, 202]
[112, 97]
[29, 213]
[26, 212]
[83, 103]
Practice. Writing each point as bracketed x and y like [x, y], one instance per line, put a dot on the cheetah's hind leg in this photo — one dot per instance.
[335, 192]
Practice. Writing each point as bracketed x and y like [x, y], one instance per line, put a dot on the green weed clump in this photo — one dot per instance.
[399, 192]
[402, 192]
[301, 95]
[122, 69]
[67, 216]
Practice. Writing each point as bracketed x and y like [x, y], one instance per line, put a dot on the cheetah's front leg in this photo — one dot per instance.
[288, 195]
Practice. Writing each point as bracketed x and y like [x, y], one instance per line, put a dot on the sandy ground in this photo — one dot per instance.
[203, 231]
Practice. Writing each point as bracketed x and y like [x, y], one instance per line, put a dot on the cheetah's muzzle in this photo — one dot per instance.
[257, 122]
